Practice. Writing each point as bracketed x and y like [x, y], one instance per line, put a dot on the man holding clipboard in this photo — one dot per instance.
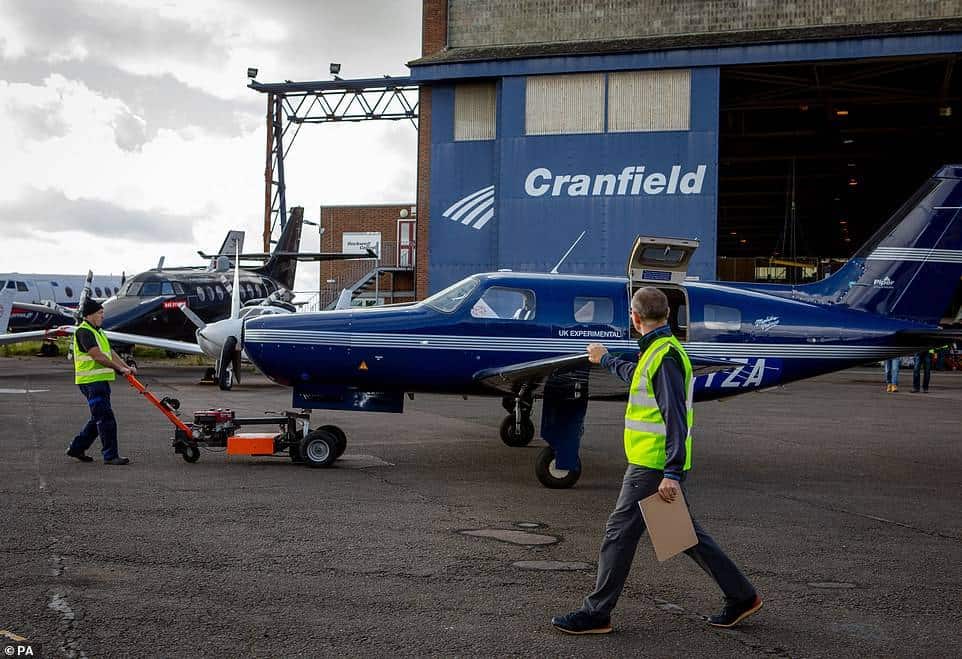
[658, 424]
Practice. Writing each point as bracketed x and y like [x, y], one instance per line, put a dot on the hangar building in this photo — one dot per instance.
[762, 128]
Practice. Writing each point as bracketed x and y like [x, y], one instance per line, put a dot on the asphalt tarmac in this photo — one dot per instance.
[842, 503]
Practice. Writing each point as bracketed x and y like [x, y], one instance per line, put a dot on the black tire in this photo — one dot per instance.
[551, 477]
[319, 449]
[225, 367]
[341, 440]
[172, 403]
[510, 435]
[48, 349]
[191, 454]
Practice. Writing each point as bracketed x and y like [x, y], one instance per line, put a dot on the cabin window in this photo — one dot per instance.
[178, 289]
[594, 310]
[505, 304]
[68, 291]
[451, 297]
[167, 288]
[200, 294]
[22, 286]
[727, 319]
[210, 293]
[98, 292]
[219, 290]
[11, 284]
[133, 289]
[150, 289]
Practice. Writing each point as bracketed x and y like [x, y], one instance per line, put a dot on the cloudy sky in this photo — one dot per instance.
[127, 131]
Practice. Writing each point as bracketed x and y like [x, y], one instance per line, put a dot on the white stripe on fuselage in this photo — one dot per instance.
[558, 346]
[919, 254]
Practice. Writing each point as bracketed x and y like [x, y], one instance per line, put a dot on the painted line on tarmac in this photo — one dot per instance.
[12, 636]
[22, 391]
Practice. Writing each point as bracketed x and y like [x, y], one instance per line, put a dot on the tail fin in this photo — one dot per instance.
[911, 267]
[283, 268]
[233, 244]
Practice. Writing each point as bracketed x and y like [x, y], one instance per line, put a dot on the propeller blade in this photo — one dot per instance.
[237, 366]
[235, 301]
[192, 317]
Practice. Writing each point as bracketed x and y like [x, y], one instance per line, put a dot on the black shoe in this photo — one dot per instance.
[80, 456]
[117, 461]
[581, 622]
[733, 614]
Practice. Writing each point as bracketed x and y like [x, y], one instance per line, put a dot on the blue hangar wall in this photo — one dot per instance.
[499, 203]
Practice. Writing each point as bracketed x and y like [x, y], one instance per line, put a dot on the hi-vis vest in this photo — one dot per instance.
[644, 425]
[86, 370]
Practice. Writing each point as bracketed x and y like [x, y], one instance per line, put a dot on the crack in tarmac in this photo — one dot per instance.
[69, 643]
[917, 529]
[741, 637]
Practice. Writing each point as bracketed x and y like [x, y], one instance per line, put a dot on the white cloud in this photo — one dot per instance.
[138, 111]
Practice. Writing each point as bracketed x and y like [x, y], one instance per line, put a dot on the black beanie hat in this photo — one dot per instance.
[90, 306]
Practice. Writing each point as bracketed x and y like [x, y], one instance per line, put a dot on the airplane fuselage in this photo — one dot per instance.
[148, 303]
[424, 347]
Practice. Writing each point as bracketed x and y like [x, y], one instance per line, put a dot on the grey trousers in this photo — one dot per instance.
[625, 528]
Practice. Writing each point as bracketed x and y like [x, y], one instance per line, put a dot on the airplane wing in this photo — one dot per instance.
[935, 337]
[300, 256]
[574, 372]
[117, 337]
[154, 342]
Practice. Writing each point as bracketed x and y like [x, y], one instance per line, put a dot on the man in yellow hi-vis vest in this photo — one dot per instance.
[95, 366]
[657, 435]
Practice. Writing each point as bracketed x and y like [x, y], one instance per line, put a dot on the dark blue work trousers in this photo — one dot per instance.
[922, 365]
[102, 422]
[625, 528]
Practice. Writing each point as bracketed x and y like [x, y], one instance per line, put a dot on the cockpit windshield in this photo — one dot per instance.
[451, 297]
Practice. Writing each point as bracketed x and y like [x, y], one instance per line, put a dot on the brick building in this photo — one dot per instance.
[763, 128]
[390, 229]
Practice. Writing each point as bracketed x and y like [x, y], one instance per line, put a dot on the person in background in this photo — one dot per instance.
[923, 362]
[891, 374]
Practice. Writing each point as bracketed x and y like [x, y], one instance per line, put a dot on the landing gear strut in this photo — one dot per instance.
[517, 429]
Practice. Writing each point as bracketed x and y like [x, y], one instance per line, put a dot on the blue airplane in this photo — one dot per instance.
[522, 336]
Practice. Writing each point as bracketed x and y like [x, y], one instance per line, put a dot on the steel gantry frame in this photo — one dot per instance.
[323, 101]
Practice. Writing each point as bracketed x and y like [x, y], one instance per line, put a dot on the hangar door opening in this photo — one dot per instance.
[814, 157]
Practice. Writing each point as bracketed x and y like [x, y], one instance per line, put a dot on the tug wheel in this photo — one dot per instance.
[319, 449]
[510, 434]
[550, 476]
[341, 439]
[191, 454]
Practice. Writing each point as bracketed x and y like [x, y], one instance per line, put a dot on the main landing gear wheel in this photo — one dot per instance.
[550, 476]
[341, 439]
[225, 374]
[191, 454]
[519, 434]
[319, 449]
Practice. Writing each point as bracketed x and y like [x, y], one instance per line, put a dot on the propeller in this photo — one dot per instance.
[235, 301]
[84, 295]
[192, 317]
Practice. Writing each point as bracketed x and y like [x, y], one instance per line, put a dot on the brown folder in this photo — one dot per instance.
[669, 525]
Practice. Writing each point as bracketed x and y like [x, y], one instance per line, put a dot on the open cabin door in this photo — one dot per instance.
[663, 263]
